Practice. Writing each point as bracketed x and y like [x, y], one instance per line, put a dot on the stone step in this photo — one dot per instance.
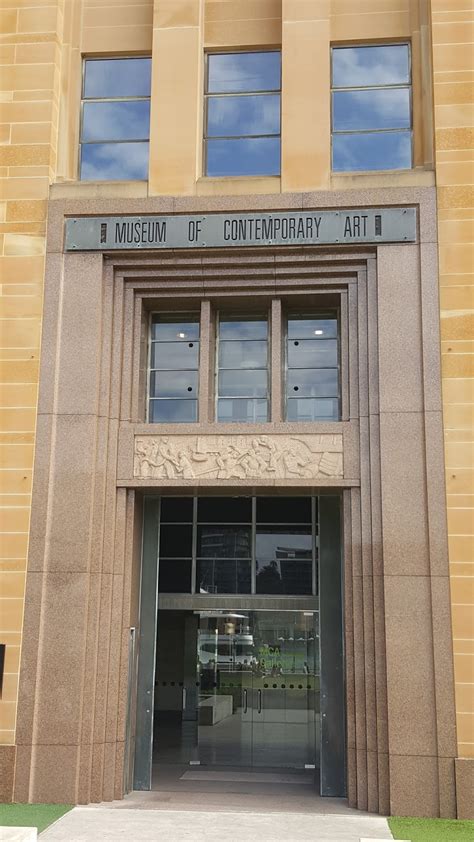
[18, 834]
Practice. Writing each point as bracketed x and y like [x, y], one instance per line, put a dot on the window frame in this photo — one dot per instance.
[84, 100]
[207, 96]
[366, 44]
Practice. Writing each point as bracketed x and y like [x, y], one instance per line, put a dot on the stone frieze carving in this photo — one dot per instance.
[257, 457]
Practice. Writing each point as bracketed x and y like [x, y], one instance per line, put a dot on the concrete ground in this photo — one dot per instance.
[107, 824]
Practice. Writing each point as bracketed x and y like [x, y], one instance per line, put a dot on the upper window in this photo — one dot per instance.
[371, 108]
[115, 125]
[312, 369]
[174, 368]
[242, 369]
[242, 119]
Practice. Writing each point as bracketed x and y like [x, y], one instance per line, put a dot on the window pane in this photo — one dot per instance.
[225, 509]
[283, 510]
[173, 411]
[252, 384]
[311, 409]
[292, 576]
[312, 353]
[116, 120]
[243, 115]
[114, 161]
[243, 354]
[371, 151]
[243, 156]
[283, 543]
[386, 108]
[174, 576]
[224, 541]
[177, 509]
[249, 329]
[174, 329]
[117, 77]
[247, 411]
[229, 72]
[223, 576]
[174, 384]
[174, 355]
[354, 67]
[316, 383]
[309, 328]
[176, 541]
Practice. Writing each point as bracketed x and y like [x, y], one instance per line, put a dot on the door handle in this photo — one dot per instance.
[259, 701]
[245, 701]
[184, 698]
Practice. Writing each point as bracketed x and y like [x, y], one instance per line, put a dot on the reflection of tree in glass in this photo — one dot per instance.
[269, 579]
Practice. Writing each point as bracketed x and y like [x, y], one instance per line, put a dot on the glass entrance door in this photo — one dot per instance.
[258, 680]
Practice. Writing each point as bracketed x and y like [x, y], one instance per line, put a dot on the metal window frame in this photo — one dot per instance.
[312, 525]
[85, 99]
[218, 368]
[150, 370]
[208, 95]
[313, 314]
[406, 85]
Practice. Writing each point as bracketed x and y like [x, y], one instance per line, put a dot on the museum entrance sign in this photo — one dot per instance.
[221, 230]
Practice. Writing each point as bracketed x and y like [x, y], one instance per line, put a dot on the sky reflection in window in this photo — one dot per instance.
[360, 67]
[117, 77]
[237, 72]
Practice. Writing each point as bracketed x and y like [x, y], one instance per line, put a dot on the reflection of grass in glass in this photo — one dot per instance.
[432, 830]
[31, 815]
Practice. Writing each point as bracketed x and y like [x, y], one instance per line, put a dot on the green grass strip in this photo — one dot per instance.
[31, 815]
[432, 830]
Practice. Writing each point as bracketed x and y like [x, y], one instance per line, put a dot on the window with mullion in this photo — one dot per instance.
[242, 114]
[371, 108]
[115, 123]
[312, 380]
[242, 369]
[174, 368]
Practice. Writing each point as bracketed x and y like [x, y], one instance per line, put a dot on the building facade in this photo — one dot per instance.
[237, 483]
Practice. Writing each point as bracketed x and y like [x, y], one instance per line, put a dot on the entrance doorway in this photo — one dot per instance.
[240, 646]
[237, 688]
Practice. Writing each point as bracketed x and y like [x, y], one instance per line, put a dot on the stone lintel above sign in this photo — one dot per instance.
[238, 457]
[224, 230]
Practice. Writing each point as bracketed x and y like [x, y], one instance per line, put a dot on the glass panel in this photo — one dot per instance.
[309, 328]
[311, 409]
[315, 383]
[354, 67]
[243, 156]
[386, 108]
[174, 355]
[243, 383]
[243, 115]
[371, 151]
[285, 576]
[283, 510]
[312, 353]
[237, 329]
[248, 354]
[224, 541]
[176, 509]
[116, 120]
[172, 411]
[225, 509]
[283, 542]
[247, 411]
[176, 541]
[114, 161]
[230, 72]
[174, 329]
[121, 77]
[173, 384]
[223, 576]
[174, 576]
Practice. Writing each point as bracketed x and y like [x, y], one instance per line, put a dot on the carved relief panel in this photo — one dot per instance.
[241, 457]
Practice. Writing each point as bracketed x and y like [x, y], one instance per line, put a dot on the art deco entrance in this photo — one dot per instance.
[248, 697]
[240, 647]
